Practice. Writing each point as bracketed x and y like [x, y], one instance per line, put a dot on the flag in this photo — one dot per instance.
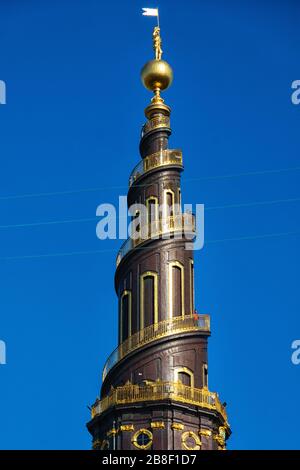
[150, 11]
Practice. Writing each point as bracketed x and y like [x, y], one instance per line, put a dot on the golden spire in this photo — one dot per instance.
[157, 74]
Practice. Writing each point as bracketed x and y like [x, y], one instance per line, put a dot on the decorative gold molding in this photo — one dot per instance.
[221, 437]
[177, 426]
[105, 445]
[192, 287]
[155, 297]
[219, 440]
[126, 427]
[157, 425]
[176, 325]
[156, 122]
[191, 434]
[152, 224]
[156, 160]
[136, 435]
[205, 432]
[112, 432]
[179, 265]
[96, 443]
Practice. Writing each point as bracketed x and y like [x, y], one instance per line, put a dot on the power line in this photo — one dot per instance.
[94, 252]
[53, 222]
[95, 219]
[105, 188]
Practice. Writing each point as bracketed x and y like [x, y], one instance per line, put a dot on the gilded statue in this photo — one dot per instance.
[157, 43]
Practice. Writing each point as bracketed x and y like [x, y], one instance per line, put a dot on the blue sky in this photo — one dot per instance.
[71, 124]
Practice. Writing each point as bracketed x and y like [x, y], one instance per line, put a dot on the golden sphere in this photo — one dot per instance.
[157, 74]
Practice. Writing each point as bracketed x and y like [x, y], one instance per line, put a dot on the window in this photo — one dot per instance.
[184, 375]
[176, 289]
[190, 441]
[192, 300]
[169, 207]
[205, 375]
[152, 210]
[148, 299]
[136, 226]
[142, 439]
[125, 316]
[184, 378]
[179, 199]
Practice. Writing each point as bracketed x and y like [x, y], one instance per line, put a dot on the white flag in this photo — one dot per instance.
[150, 11]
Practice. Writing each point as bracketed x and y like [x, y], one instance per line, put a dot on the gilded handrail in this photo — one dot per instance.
[159, 330]
[176, 391]
[185, 222]
[155, 123]
[156, 160]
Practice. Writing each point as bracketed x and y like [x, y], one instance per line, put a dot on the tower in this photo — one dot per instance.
[155, 383]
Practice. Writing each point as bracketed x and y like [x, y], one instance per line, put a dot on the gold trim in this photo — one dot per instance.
[157, 425]
[169, 327]
[136, 435]
[194, 436]
[155, 294]
[96, 443]
[192, 287]
[105, 445]
[126, 427]
[124, 293]
[170, 212]
[112, 432]
[171, 285]
[205, 432]
[187, 371]
[177, 426]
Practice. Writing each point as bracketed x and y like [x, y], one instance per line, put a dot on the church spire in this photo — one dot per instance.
[155, 392]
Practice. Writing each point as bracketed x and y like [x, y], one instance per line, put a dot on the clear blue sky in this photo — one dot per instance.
[72, 122]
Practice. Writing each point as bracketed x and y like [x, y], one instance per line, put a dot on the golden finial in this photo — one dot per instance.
[157, 74]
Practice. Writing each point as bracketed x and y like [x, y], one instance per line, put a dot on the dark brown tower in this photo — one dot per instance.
[155, 384]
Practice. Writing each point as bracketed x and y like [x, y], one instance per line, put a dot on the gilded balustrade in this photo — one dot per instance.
[156, 160]
[175, 391]
[176, 325]
[185, 223]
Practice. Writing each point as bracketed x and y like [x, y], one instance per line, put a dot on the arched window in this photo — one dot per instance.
[153, 216]
[169, 207]
[176, 289]
[125, 315]
[205, 375]
[148, 299]
[184, 378]
[184, 375]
